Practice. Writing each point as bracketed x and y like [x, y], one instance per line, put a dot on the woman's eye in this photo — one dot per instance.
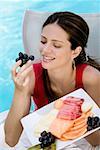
[43, 42]
[57, 46]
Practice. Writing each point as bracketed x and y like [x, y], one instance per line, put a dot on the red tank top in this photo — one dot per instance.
[40, 97]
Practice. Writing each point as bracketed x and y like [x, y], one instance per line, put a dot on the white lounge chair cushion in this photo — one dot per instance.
[32, 24]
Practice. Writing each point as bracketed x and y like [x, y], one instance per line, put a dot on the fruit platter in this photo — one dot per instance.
[62, 122]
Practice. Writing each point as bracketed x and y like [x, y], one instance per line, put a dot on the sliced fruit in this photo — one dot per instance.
[80, 119]
[60, 126]
[74, 134]
[86, 106]
[58, 103]
[80, 126]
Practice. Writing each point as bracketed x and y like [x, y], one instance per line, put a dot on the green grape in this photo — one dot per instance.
[38, 147]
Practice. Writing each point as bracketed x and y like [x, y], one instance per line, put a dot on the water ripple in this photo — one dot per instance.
[11, 16]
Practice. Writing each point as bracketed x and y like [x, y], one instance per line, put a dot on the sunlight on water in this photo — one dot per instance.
[11, 18]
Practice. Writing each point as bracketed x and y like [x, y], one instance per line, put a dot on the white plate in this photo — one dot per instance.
[30, 121]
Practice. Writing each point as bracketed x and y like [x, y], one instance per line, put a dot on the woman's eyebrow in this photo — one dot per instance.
[43, 36]
[55, 40]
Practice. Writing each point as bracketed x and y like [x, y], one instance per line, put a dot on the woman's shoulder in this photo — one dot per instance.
[91, 82]
[87, 74]
[91, 75]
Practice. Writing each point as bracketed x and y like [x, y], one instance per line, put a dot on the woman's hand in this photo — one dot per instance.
[24, 80]
[22, 76]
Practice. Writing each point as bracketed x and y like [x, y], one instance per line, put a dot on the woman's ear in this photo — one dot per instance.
[76, 51]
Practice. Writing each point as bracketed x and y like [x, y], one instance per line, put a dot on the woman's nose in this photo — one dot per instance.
[47, 48]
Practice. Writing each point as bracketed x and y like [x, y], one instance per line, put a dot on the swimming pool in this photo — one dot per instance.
[11, 17]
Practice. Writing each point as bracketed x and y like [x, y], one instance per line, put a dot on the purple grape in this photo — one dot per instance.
[50, 140]
[96, 119]
[93, 122]
[53, 138]
[45, 142]
[17, 59]
[89, 118]
[23, 62]
[46, 139]
[44, 133]
[25, 56]
[89, 128]
[98, 124]
[31, 57]
[40, 139]
[42, 145]
[49, 134]
[21, 55]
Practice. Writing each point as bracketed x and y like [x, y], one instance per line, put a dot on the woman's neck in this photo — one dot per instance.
[62, 81]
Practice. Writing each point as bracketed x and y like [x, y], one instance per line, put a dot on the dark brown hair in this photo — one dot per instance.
[77, 29]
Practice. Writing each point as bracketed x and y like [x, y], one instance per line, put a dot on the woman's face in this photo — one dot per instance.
[55, 48]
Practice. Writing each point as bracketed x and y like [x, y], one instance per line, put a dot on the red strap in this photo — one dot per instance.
[79, 75]
[39, 96]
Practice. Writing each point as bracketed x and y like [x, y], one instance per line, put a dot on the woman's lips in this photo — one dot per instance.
[47, 59]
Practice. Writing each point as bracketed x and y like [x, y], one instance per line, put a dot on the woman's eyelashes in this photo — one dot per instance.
[57, 46]
[43, 42]
[53, 44]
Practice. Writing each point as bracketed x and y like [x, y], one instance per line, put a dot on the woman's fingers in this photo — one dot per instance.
[20, 75]
[26, 72]
[23, 76]
[18, 63]
[24, 67]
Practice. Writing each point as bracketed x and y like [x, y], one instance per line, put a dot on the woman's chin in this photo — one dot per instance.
[46, 65]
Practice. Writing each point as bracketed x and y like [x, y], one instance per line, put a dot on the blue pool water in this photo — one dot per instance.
[11, 17]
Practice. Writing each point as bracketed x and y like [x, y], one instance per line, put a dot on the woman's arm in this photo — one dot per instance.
[24, 84]
[19, 109]
[91, 80]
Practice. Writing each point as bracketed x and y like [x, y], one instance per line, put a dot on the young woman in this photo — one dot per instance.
[64, 68]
